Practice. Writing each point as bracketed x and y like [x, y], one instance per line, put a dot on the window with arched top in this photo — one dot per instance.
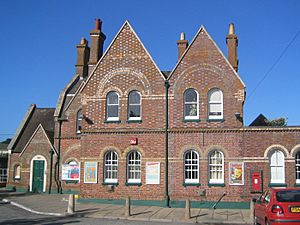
[215, 104]
[111, 167]
[17, 172]
[216, 167]
[78, 121]
[297, 166]
[191, 167]
[191, 106]
[134, 105]
[277, 167]
[112, 106]
[134, 167]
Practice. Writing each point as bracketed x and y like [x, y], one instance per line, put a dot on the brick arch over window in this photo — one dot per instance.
[124, 72]
[133, 148]
[269, 150]
[66, 154]
[189, 147]
[110, 148]
[195, 70]
[295, 150]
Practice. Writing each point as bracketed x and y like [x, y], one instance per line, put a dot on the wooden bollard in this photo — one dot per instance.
[251, 212]
[127, 206]
[187, 209]
[71, 204]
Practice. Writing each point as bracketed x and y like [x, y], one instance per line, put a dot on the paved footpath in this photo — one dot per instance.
[56, 205]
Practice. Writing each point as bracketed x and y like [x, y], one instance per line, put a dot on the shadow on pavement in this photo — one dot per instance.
[44, 220]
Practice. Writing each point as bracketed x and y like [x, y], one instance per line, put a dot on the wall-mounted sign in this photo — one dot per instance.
[90, 172]
[152, 172]
[133, 141]
[70, 172]
[236, 173]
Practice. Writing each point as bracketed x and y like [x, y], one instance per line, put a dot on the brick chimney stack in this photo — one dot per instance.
[83, 53]
[182, 45]
[232, 43]
[97, 41]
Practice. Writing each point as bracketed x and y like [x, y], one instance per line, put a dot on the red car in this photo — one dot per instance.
[278, 206]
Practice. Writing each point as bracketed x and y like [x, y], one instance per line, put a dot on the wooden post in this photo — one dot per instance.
[187, 209]
[71, 204]
[127, 206]
[251, 212]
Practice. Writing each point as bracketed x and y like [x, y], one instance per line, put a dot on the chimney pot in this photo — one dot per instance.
[182, 36]
[231, 28]
[98, 24]
[83, 41]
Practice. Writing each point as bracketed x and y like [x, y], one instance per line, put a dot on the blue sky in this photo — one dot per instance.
[38, 53]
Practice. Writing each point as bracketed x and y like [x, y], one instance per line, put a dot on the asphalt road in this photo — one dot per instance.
[10, 214]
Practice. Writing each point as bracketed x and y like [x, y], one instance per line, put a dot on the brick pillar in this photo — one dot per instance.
[83, 53]
[97, 41]
[182, 45]
[232, 43]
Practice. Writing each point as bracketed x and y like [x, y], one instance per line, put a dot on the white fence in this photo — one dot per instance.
[3, 175]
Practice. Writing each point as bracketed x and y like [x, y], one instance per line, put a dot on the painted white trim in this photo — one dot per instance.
[32, 136]
[35, 158]
[295, 150]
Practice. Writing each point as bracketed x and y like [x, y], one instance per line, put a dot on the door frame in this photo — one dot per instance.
[38, 158]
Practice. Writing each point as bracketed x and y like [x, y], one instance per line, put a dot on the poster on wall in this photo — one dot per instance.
[236, 173]
[152, 172]
[90, 172]
[70, 172]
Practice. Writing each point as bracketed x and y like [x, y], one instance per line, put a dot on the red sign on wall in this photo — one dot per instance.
[133, 141]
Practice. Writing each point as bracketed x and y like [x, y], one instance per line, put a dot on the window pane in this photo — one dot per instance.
[215, 109]
[190, 96]
[112, 98]
[215, 96]
[112, 111]
[134, 111]
[190, 109]
[134, 97]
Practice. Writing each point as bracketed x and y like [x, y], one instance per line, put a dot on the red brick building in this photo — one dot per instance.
[134, 130]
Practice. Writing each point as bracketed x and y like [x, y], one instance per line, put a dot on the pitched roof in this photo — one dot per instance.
[202, 29]
[32, 119]
[126, 24]
[67, 95]
[261, 120]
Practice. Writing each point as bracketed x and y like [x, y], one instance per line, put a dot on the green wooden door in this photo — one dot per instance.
[38, 176]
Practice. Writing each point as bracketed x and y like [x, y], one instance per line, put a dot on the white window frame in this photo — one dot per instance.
[187, 117]
[140, 105]
[136, 162]
[277, 166]
[211, 91]
[109, 165]
[79, 121]
[190, 163]
[297, 164]
[218, 167]
[110, 118]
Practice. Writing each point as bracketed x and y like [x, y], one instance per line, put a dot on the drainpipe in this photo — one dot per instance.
[59, 188]
[51, 166]
[167, 198]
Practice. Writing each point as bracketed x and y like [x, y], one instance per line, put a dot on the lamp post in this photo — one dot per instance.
[167, 198]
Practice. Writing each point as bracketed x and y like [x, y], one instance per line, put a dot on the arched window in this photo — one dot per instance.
[112, 106]
[277, 167]
[78, 121]
[134, 167]
[297, 162]
[216, 167]
[191, 167]
[191, 106]
[17, 172]
[134, 106]
[215, 104]
[111, 167]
